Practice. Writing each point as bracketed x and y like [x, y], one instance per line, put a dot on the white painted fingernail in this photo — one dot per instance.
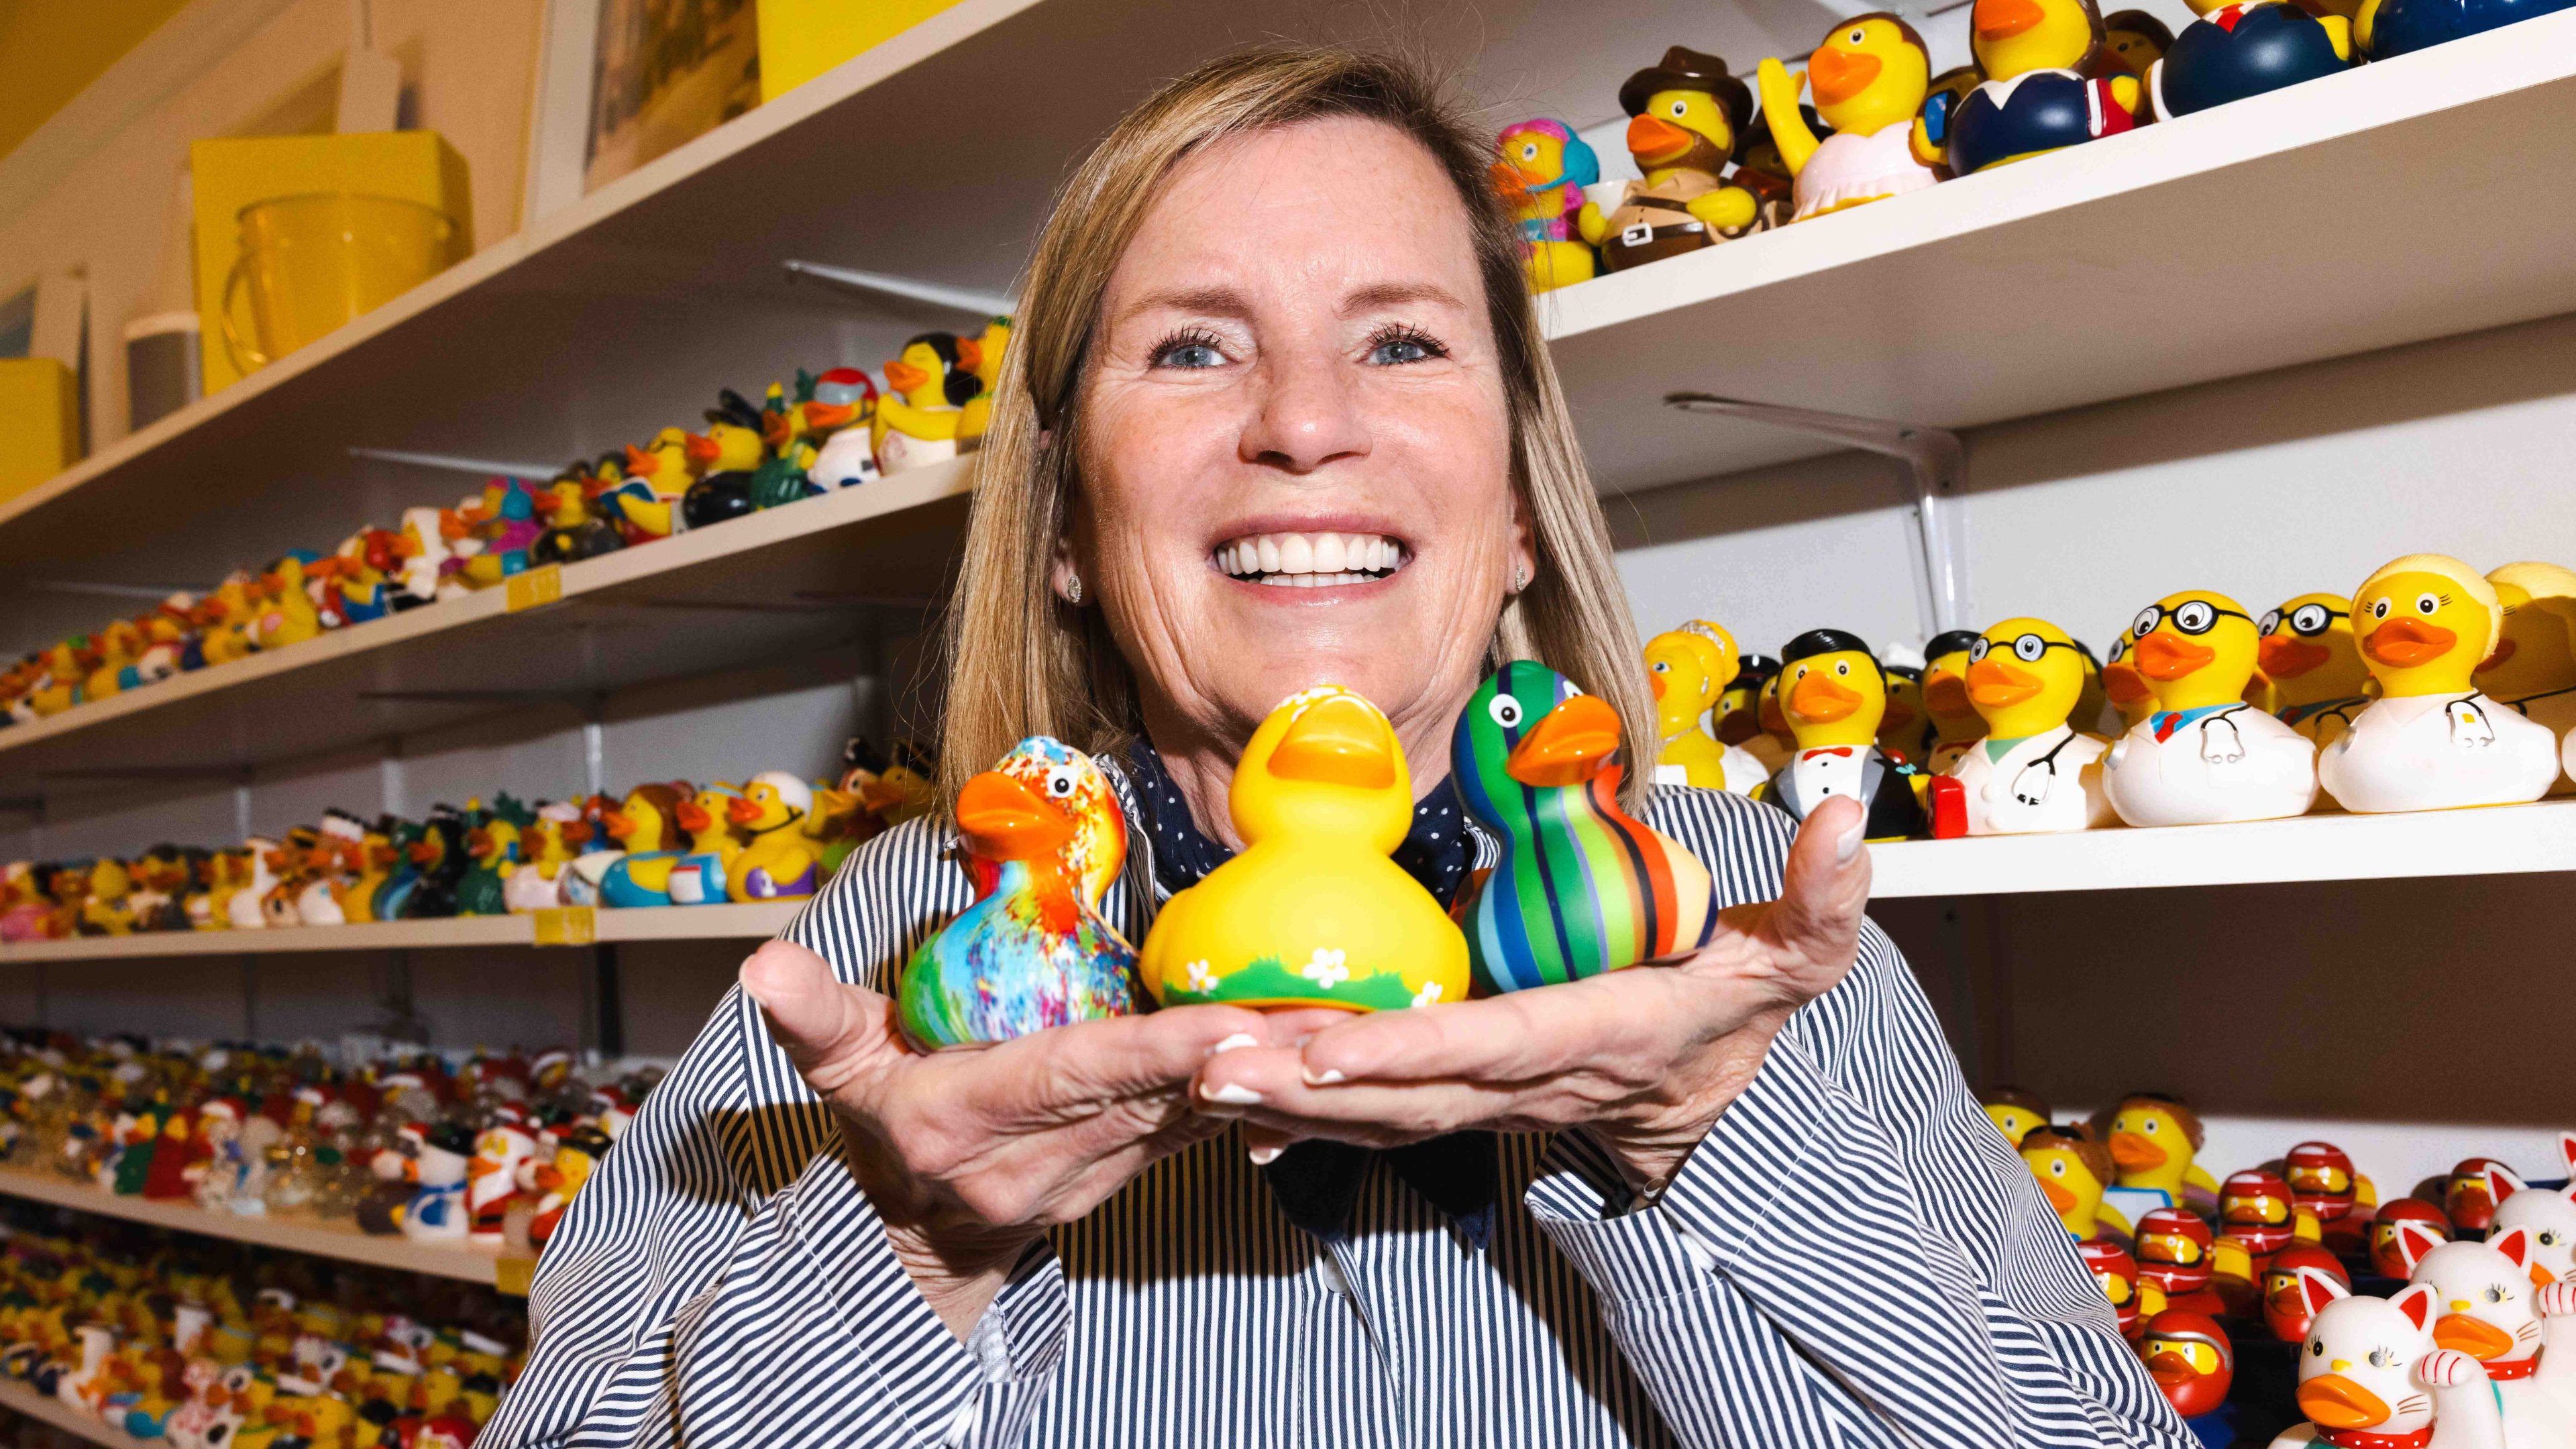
[1849, 845]
[1239, 1039]
[1233, 1094]
[1324, 1078]
[1264, 1156]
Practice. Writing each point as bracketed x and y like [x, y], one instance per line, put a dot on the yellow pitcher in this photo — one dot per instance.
[315, 261]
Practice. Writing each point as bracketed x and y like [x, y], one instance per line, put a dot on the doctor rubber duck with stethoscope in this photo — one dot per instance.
[2203, 754]
[2032, 773]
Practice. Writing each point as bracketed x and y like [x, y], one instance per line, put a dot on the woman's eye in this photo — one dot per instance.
[1398, 345]
[1189, 350]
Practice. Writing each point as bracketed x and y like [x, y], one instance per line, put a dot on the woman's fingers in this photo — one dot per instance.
[1823, 891]
[835, 1033]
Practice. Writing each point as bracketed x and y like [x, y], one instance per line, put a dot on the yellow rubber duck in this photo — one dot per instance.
[1870, 75]
[977, 415]
[1689, 669]
[2204, 754]
[1685, 116]
[1901, 729]
[375, 860]
[2433, 740]
[1955, 722]
[1748, 713]
[917, 423]
[725, 447]
[2014, 1112]
[2533, 669]
[778, 859]
[656, 478]
[2134, 40]
[2153, 1140]
[2037, 56]
[1540, 169]
[287, 615]
[2073, 1168]
[2123, 686]
[119, 644]
[2308, 654]
[2033, 772]
[1312, 913]
[1833, 694]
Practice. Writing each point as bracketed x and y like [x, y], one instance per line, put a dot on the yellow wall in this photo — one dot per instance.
[50, 49]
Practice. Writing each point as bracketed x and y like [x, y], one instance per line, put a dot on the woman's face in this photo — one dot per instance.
[1297, 459]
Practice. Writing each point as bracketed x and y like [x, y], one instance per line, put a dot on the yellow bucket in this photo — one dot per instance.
[313, 262]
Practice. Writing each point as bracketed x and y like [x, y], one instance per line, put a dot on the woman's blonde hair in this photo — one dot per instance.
[1021, 662]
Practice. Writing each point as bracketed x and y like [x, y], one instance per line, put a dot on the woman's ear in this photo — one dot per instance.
[1524, 549]
[1063, 575]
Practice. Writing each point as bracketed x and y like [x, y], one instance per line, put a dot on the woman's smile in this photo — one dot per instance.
[1323, 555]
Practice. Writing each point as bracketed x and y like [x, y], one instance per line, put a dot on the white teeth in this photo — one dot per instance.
[1311, 561]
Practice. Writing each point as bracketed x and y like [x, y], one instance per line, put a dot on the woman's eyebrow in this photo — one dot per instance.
[1212, 301]
[1379, 296]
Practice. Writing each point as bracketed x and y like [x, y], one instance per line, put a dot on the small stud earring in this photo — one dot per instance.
[1520, 577]
[1073, 590]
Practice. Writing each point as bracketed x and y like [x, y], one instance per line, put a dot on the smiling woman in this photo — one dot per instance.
[1278, 418]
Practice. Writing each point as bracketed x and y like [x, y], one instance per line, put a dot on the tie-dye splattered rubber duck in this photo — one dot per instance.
[1043, 839]
[1582, 888]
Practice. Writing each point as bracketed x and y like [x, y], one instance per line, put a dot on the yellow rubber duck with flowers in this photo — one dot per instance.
[2433, 740]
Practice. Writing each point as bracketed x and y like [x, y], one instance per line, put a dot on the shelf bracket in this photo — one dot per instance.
[968, 301]
[1935, 460]
[448, 463]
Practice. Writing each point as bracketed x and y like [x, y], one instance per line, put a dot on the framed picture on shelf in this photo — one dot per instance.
[666, 72]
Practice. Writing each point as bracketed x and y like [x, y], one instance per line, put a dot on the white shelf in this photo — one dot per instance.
[22, 1398]
[2502, 840]
[779, 584]
[731, 921]
[295, 1234]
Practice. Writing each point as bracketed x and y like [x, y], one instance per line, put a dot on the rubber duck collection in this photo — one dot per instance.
[774, 837]
[2430, 688]
[2290, 1300]
[2048, 74]
[483, 1149]
[204, 1344]
[828, 431]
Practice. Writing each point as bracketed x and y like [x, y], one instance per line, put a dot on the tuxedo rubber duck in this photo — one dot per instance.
[2037, 55]
[1833, 693]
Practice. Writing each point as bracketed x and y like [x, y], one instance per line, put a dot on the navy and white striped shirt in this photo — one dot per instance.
[1852, 1257]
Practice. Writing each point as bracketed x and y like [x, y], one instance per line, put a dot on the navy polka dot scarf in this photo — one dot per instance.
[1318, 1183]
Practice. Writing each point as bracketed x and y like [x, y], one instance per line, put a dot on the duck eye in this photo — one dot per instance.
[2496, 1293]
[1680, 109]
[2310, 619]
[2150, 1127]
[2029, 647]
[2549, 1238]
[1857, 36]
[2427, 603]
[2195, 617]
[1663, 666]
[1505, 711]
[1842, 666]
[2379, 609]
[2146, 621]
[1060, 782]
[2383, 1358]
[1977, 651]
[2271, 623]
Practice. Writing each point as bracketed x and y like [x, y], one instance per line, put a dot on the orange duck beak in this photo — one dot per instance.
[692, 816]
[1337, 742]
[620, 824]
[2336, 1402]
[904, 377]
[2059, 1199]
[2404, 643]
[1568, 746]
[742, 811]
[640, 463]
[1839, 75]
[1946, 694]
[2124, 684]
[2004, 19]
[1997, 685]
[1819, 700]
[2475, 1337]
[1653, 140]
[702, 448]
[2169, 657]
[2133, 1151]
[2172, 1370]
[2284, 656]
[1004, 819]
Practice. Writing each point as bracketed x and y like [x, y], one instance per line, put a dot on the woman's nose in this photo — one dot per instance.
[1306, 413]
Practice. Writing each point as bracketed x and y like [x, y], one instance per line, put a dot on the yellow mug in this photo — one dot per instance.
[313, 262]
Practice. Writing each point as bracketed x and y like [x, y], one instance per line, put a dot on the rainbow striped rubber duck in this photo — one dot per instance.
[1582, 887]
[1044, 838]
